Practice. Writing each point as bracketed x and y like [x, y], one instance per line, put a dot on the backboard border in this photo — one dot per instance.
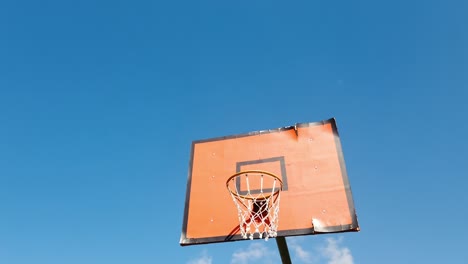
[353, 227]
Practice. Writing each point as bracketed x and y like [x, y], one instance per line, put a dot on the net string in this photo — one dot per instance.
[257, 213]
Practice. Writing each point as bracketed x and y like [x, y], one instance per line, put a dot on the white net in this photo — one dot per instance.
[256, 195]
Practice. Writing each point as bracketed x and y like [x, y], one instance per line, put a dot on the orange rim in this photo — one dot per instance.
[254, 171]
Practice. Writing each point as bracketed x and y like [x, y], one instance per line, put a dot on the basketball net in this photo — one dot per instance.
[258, 202]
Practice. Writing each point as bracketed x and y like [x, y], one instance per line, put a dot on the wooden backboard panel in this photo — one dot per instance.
[316, 196]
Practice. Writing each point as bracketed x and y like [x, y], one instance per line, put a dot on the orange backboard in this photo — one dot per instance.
[307, 157]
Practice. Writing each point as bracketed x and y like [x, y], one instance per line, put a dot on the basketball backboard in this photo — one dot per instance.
[307, 157]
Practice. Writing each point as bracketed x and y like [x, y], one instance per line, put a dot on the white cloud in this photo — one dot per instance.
[203, 259]
[337, 254]
[302, 254]
[255, 253]
[331, 253]
[299, 252]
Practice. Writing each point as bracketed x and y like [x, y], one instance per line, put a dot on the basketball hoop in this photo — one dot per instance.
[256, 195]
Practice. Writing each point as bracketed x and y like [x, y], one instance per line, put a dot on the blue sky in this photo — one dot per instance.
[100, 101]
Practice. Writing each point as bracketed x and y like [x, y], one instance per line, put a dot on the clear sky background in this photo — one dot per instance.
[100, 101]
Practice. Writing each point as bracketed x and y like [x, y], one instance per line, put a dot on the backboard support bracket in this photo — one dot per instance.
[283, 250]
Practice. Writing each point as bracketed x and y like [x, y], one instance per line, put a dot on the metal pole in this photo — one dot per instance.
[283, 250]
